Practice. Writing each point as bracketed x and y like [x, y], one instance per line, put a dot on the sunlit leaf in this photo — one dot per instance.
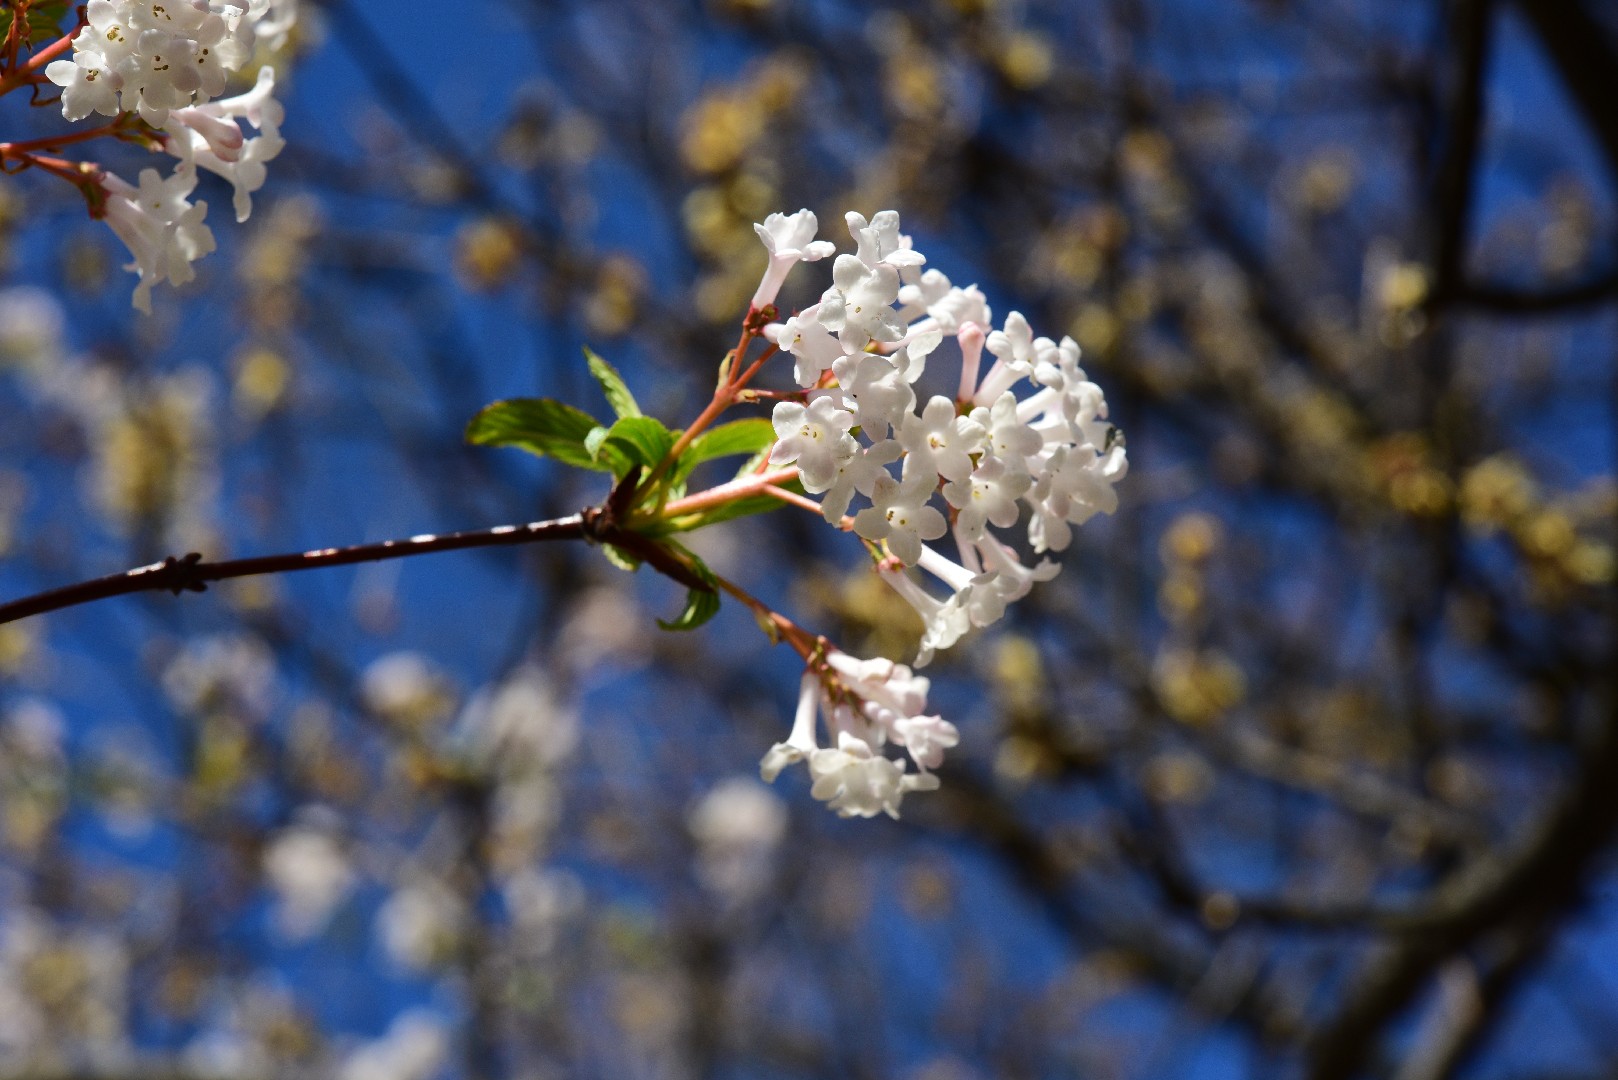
[612, 384]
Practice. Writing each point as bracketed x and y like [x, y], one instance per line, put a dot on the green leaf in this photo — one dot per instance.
[594, 440]
[620, 558]
[640, 440]
[612, 384]
[737, 437]
[700, 604]
[541, 426]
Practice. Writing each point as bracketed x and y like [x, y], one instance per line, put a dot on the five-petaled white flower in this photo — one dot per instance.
[876, 390]
[939, 442]
[814, 349]
[988, 496]
[899, 515]
[816, 437]
[857, 304]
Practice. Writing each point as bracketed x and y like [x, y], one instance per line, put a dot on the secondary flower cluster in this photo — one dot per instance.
[1029, 433]
[167, 62]
[866, 704]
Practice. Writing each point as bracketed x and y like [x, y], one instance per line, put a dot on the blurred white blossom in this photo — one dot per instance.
[738, 825]
[413, 1048]
[311, 876]
[420, 923]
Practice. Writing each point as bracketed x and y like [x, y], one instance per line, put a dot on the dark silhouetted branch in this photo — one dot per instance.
[1601, 289]
[192, 574]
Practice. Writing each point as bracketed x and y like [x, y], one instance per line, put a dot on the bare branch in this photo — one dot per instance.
[191, 574]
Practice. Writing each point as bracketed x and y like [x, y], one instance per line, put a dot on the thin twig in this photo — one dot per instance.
[191, 574]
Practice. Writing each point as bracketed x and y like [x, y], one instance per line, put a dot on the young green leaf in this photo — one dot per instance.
[747, 436]
[612, 384]
[541, 426]
[640, 440]
[700, 604]
[594, 440]
[620, 558]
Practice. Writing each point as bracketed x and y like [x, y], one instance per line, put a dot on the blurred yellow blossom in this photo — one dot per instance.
[488, 251]
[1196, 687]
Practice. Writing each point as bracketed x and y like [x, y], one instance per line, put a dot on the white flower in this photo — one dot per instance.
[738, 812]
[151, 58]
[802, 742]
[988, 496]
[210, 136]
[877, 391]
[88, 84]
[864, 701]
[167, 62]
[880, 243]
[1014, 349]
[518, 726]
[986, 450]
[911, 357]
[858, 473]
[108, 30]
[542, 903]
[1008, 436]
[943, 622]
[856, 782]
[1012, 579]
[405, 688]
[939, 442]
[926, 738]
[90, 81]
[224, 672]
[1060, 368]
[162, 229]
[899, 515]
[974, 591]
[33, 326]
[888, 691]
[959, 308]
[166, 72]
[789, 240]
[918, 297]
[1076, 485]
[813, 347]
[856, 306]
[815, 437]
[1015, 343]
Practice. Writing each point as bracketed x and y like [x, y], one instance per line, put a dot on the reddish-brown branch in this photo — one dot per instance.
[21, 76]
[55, 142]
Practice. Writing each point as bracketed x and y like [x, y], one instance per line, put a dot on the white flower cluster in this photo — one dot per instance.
[167, 61]
[988, 452]
[866, 704]
[858, 354]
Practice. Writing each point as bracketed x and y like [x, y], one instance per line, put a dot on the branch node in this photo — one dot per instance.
[181, 574]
